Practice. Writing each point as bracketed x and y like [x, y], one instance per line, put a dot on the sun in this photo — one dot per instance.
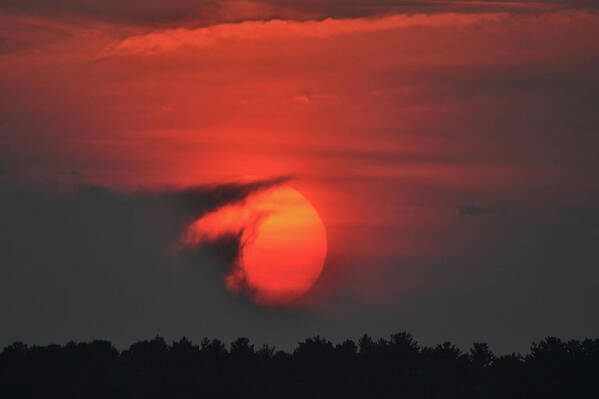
[283, 244]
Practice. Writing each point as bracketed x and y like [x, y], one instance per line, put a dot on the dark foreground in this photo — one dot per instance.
[398, 368]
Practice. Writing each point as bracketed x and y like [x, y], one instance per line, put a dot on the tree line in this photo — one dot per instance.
[384, 368]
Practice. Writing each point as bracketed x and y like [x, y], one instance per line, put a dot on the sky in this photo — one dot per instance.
[449, 147]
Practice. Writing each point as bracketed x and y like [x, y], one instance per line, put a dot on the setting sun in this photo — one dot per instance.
[282, 240]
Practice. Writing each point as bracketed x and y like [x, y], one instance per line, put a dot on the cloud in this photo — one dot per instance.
[95, 262]
[194, 202]
[71, 259]
[169, 40]
[474, 210]
[210, 12]
[303, 99]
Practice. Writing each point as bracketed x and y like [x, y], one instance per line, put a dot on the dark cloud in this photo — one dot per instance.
[9, 45]
[473, 210]
[580, 213]
[365, 8]
[83, 262]
[206, 12]
[504, 279]
[96, 263]
[130, 11]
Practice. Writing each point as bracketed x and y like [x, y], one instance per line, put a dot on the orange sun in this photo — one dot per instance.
[283, 244]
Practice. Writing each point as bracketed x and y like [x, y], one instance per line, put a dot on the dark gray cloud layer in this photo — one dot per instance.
[473, 210]
[95, 263]
[206, 12]
[92, 262]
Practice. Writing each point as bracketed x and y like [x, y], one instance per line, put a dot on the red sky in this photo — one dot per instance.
[405, 126]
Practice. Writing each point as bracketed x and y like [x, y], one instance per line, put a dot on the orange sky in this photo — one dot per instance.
[390, 123]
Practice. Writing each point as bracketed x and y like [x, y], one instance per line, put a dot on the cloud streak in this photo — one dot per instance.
[176, 39]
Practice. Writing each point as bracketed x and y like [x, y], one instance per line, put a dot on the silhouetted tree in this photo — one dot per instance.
[242, 350]
[366, 345]
[347, 350]
[183, 355]
[265, 353]
[394, 367]
[314, 348]
[480, 355]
